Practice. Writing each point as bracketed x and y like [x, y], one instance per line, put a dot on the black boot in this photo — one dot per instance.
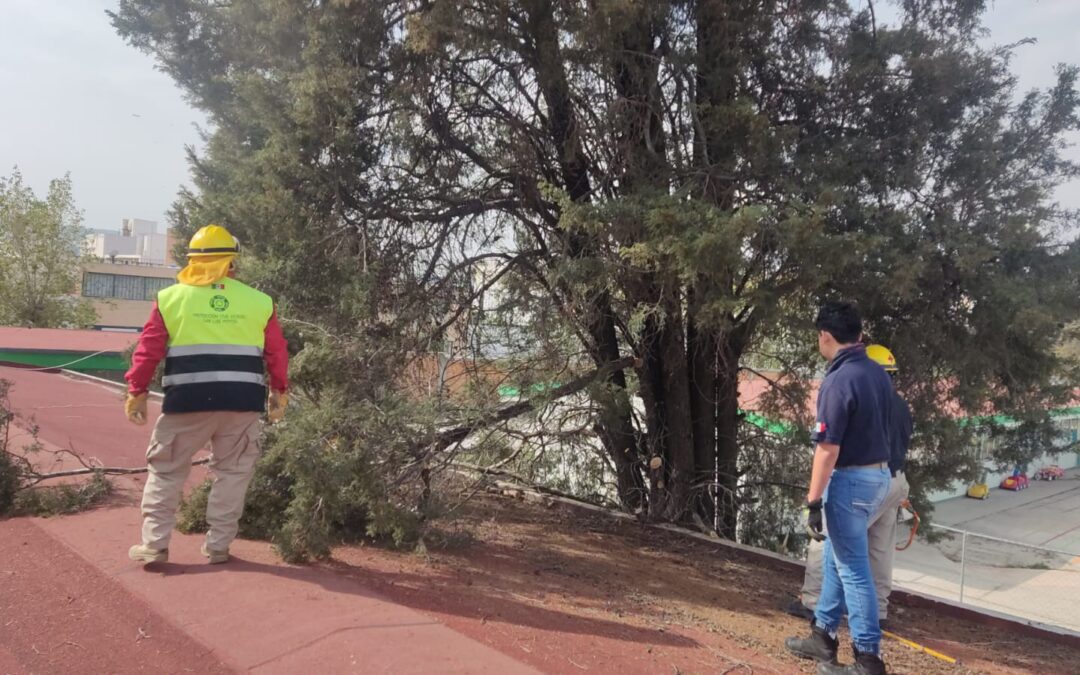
[865, 664]
[819, 646]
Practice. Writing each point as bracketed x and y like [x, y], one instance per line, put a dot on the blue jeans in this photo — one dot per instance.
[851, 499]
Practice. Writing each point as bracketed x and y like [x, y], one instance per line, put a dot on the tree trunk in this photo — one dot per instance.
[719, 24]
[676, 391]
[617, 429]
[642, 168]
[727, 445]
[666, 392]
[701, 350]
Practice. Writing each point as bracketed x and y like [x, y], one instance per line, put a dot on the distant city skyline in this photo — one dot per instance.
[79, 100]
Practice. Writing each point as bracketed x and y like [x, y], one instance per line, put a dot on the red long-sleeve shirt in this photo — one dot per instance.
[154, 342]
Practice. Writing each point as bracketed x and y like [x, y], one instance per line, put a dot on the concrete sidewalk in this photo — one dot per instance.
[1045, 514]
[1022, 579]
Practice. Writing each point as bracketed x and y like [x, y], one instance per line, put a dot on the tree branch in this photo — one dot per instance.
[456, 434]
[105, 470]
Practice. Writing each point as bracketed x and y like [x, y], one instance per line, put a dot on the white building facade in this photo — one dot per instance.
[138, 241]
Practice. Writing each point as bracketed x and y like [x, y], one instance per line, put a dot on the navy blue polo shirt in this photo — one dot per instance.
[854, 408]
[899, 433]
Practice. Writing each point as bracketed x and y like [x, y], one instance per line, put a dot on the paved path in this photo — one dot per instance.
[259, 615]
[1013, 579]
[254, 614]
[1046, 514]
[75, 413]
[61, 614]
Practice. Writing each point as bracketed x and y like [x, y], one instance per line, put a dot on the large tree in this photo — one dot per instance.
[42, 243]
[682, 181]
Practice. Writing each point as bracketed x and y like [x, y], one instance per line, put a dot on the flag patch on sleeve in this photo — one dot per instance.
[820, 428]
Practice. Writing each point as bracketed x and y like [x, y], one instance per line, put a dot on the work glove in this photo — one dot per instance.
[135, 408]
[815, 523]
[275, 406]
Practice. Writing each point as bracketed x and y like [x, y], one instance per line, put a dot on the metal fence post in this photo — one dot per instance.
[963, 563]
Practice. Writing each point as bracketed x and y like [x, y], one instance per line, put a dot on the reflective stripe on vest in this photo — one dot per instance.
[213, 376]
[215, 352]
[202, 350]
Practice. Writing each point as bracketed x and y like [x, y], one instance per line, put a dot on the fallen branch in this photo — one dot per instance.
[457, 434]
[493, 470]
[105, 470]
[522, 482]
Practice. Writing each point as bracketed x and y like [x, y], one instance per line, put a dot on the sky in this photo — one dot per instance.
[76, 98]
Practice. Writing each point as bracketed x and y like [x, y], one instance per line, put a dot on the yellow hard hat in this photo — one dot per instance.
[883, 357]
[212, 240]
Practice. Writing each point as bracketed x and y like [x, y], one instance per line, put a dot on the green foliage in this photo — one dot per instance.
[41, 246]
[679, 181]
[59, 500]
[338, 459]
[10, 482]
[316, 485]
[13, 470]
[20, 495]
[290, 169]
[191, 516]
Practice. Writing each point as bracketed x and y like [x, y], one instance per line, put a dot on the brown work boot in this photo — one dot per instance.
[146, 555]
[866, 663]
[215, 557]
[819, 646]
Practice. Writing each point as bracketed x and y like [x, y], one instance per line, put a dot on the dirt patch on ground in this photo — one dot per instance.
[570, 592]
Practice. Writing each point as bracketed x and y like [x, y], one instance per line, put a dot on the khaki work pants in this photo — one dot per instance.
[882, 540]
[233, 440]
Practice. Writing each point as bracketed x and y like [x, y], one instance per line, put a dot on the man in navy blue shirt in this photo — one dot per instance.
[849, 481]
[882, 532]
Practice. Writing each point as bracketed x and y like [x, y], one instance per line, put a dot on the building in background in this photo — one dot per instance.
[125, 271]
[137, 240]
[123, 292]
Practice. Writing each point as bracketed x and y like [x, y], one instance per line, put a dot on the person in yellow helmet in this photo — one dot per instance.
[221, 342]
[882, 530]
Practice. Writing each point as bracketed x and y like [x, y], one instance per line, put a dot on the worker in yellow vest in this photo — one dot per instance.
[220, 340]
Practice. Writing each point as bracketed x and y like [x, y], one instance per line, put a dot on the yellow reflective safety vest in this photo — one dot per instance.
[214, 359]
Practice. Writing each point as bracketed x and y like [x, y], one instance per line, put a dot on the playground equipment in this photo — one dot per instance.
[1052, 472]
[1016, 482]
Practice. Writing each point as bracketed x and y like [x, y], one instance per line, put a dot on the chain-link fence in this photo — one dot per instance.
[1011, 577]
